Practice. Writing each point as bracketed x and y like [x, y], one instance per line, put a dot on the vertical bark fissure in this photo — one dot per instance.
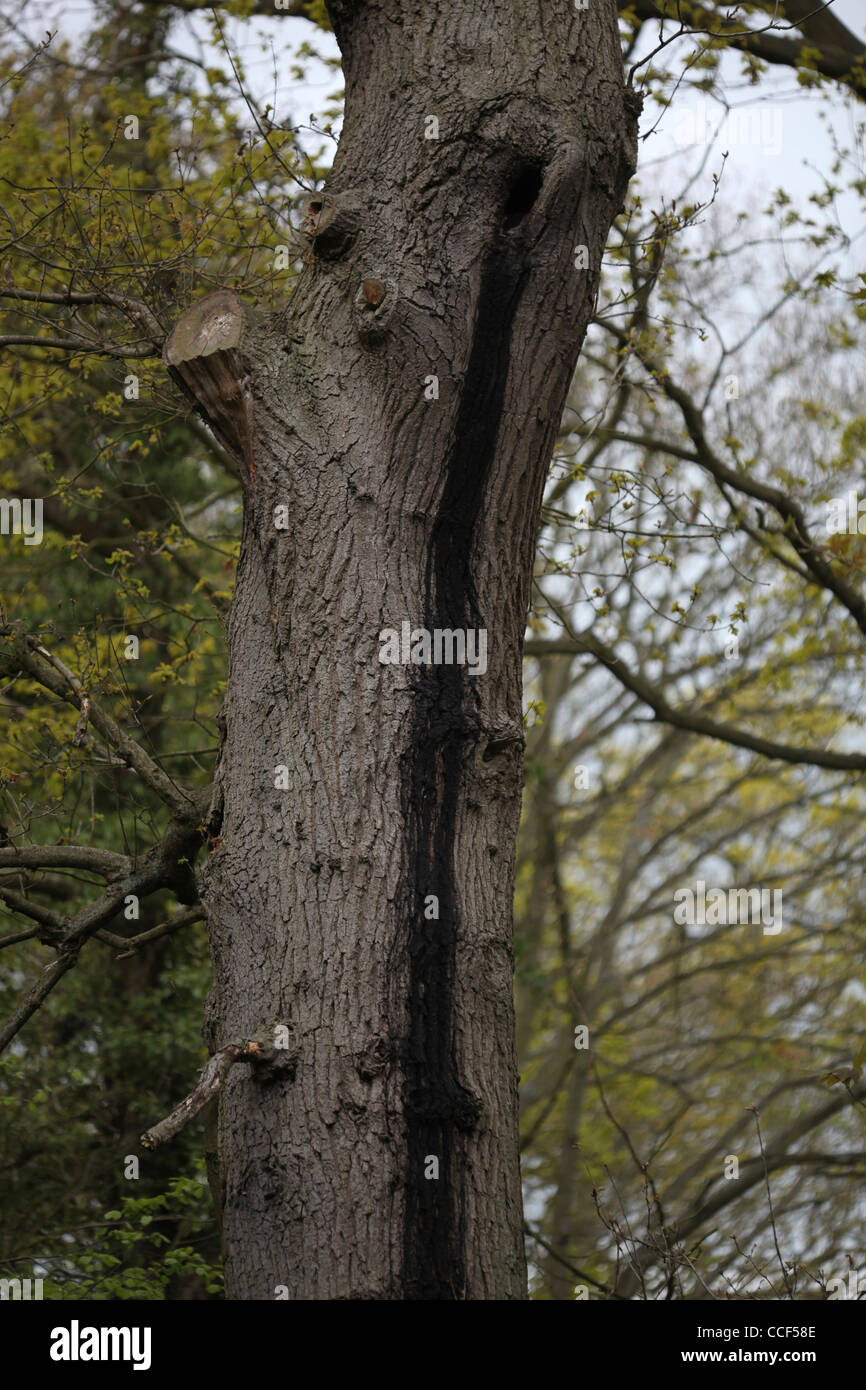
[446, 727]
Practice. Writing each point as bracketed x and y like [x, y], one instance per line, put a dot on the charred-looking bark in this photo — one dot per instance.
[447, 727]
[393, 425]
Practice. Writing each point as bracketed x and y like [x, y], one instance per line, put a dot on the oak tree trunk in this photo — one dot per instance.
[401, 412]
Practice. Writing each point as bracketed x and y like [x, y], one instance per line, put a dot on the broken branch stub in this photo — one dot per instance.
[332, 224]
[205, 356]
[209, 1084]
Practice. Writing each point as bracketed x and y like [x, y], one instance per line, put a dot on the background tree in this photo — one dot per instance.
[667, 594]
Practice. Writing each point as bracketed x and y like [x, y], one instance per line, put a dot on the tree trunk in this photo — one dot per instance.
[402, 409]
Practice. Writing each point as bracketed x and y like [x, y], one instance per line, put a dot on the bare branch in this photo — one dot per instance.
[796, 530]
[26, 654]
[98, 861]
[290, 9]
[828, 48]
[75, 345]
[168, 865]
[54, 925]
[136, 309]
[36, 996]
[208, 1086]
[131, 944]
[693, 720]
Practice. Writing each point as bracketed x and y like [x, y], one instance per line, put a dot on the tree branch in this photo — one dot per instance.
[36, 996]
[828, 47]
[98, 861]
[136, 309]
[131, 944]
[75, 345]
[167, 865]
[209, 1084]
[54, 926]
[290, 9]
[26, 654]
[692, 720]
[795, 527]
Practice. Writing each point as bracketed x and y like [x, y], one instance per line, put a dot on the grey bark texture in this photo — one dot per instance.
[451, 257]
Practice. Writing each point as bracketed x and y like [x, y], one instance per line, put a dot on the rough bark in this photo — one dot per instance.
[450, 257]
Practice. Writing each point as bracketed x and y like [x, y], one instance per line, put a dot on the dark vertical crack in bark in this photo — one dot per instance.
[439, 1109]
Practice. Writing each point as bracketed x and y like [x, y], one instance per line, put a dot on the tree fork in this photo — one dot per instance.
[400, 411]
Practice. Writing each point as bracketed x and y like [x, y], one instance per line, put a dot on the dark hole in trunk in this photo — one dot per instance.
[523, 195]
